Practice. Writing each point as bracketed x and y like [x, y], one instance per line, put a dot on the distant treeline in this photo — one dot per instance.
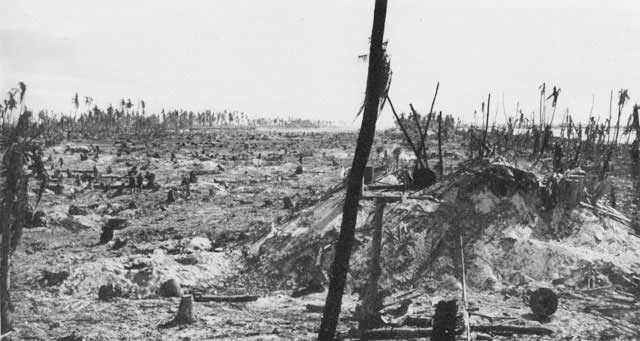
[97, 122]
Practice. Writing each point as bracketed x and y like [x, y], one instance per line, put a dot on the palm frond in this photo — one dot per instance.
[23, 90]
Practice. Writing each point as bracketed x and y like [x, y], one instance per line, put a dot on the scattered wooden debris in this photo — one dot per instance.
[51, 278]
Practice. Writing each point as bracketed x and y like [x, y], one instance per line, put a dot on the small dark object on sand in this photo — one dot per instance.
[171, 197]
[108, 228]
[50, 278]
[311, 288]
[423, 178]
[39, 219]
[543, 303]
[170, 288]
[287, 203]
[108, 292]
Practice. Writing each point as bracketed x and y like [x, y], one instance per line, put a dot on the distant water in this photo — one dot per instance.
[556, 133]
[333, 129]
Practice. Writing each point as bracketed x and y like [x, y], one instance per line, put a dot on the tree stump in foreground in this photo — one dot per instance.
[444, 321]
[185, 313]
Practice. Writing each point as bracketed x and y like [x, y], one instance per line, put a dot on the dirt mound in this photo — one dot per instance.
[516, 227]
[142, 276]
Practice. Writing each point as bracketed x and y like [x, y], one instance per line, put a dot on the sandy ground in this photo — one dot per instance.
[202, 239]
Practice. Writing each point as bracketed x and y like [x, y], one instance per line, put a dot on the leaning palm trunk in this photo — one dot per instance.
[344, 244]
[17, 144]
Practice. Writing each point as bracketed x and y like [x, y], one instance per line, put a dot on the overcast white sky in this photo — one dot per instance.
[299, 58]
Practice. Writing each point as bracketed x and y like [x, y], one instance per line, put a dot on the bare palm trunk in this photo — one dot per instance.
[609, 122]
[340, 267]
[615, 142]
[4, 271]
[486, 126]
[441, 166]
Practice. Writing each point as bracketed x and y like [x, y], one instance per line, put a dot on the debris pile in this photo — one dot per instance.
[517, 228]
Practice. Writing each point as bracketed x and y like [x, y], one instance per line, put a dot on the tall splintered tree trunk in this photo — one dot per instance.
[338, 272]
[486, 126]
[4, 271]
[372, 301]
[441, 167]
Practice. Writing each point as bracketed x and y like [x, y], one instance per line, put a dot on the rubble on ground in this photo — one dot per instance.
[517, 227]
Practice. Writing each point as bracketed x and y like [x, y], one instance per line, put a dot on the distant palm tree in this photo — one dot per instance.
[623, 96]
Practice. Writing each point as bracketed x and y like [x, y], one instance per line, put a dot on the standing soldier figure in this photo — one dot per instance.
[557, 158]
[139, 182]
[132, 182]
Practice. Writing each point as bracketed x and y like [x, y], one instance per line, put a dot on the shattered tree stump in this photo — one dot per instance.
[185, 313]
[109, 227]
[171, 196]
[444, 321]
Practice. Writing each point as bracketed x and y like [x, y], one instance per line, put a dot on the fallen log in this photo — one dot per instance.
[619, 323]
[234, 299]
[411, 333]
[81, 171]
[385, 187]
[315, 308]
[505, 330]
[387, 334]
[400, 300]
[491, 318]
[417, 321]
[206, 172]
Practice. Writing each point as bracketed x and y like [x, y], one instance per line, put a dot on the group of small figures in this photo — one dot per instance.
[137, 180]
